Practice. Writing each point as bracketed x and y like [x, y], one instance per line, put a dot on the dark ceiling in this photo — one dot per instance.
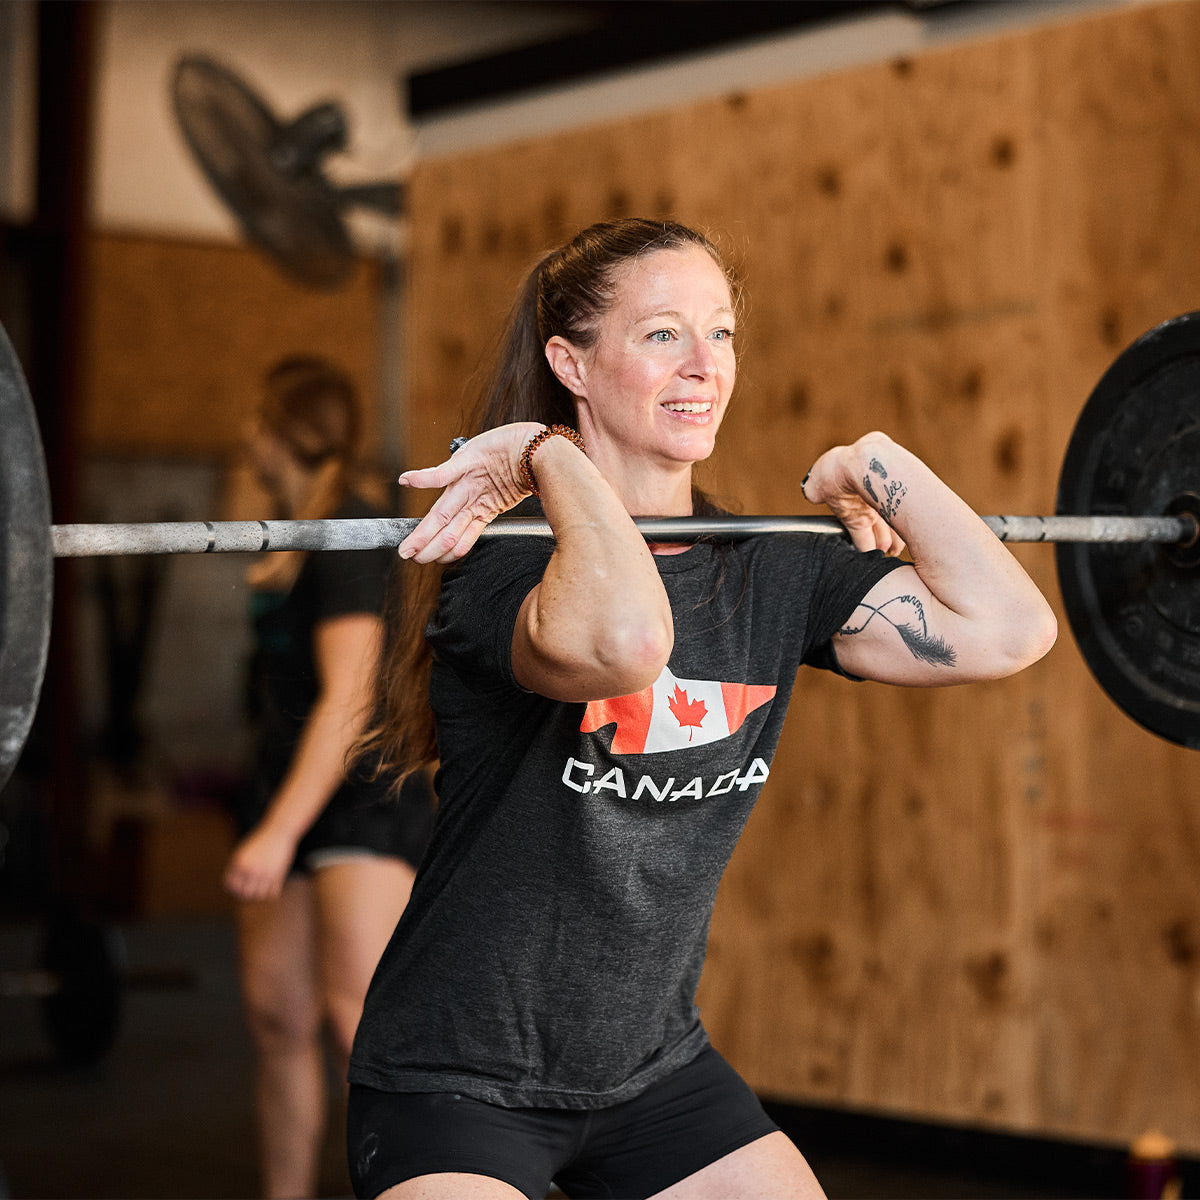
[626, 33]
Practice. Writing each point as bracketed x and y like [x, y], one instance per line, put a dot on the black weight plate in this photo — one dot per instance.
[26, 560]
[1135, 609]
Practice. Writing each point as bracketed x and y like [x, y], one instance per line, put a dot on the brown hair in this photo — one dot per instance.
[311, 405]
[565, 295]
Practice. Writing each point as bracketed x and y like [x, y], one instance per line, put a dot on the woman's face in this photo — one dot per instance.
[656, 381]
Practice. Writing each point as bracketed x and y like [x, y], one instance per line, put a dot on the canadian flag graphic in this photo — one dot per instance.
[672, 714]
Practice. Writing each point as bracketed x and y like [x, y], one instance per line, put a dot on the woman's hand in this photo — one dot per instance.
[259, 864]
[855, 500]
[479, 481]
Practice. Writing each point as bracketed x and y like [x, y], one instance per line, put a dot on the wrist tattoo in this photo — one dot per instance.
[871, 491]
[893, 490]
[909, 623]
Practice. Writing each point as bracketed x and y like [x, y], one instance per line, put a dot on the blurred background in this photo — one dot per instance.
[959, 948]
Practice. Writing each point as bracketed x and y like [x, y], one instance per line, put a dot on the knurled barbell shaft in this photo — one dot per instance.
[201, 537]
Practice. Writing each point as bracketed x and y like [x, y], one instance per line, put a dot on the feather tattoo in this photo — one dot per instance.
[914, 632]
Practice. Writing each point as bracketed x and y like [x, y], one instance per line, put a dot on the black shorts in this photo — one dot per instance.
[694, 1117]
[365, 818]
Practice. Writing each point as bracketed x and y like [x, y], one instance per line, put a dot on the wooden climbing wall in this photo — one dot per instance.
[976, 905]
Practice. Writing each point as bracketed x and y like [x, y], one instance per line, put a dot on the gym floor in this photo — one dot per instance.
[167, 1111]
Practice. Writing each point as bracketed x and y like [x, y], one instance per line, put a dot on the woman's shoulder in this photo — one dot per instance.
[495, 548]
[500, 564]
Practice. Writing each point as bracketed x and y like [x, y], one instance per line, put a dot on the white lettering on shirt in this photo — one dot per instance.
[569, 769]
[577, 776]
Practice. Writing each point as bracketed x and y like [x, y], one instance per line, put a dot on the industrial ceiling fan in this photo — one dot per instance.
[270, 172]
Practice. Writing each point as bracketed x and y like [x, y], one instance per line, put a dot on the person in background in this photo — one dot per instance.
[326, 857]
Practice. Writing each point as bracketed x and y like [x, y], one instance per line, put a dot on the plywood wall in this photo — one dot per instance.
[977, 905]
[179, 334]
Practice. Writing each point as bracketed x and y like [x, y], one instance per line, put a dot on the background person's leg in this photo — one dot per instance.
[277, 951]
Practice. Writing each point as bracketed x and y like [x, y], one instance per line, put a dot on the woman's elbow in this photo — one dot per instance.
[1046, 635]
[634, 653]
[1030, 640]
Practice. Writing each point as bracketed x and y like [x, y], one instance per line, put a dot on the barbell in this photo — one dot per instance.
[1126, 534]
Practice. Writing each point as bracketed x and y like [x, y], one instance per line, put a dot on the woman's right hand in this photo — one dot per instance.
[480, 481]
[259, 864]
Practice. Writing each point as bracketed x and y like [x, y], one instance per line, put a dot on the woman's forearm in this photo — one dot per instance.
[600, 622]
[958, 557]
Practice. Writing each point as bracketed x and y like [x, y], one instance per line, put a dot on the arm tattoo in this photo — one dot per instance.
[914, 632]
[892, 490]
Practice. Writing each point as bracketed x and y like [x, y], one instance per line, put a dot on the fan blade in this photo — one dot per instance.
[266, 171]
[299, 146]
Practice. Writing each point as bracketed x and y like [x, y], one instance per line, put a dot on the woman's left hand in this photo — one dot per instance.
[832, 482]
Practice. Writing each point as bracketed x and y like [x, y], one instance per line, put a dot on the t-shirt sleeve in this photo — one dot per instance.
[480, 599]
[845, 576]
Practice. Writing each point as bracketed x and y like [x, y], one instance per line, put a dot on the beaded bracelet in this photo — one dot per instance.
[535, 441]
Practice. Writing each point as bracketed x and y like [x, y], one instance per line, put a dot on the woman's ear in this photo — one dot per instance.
[564, 362]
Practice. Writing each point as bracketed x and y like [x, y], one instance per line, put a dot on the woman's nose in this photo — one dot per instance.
[701, 361]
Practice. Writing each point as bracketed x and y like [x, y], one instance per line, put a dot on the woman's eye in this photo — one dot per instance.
[661, 335]
[723, 335]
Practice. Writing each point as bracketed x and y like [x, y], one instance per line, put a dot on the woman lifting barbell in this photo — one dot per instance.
[605, 713]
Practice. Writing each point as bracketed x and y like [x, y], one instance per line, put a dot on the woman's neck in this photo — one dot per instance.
[664, 495]
[646, 492]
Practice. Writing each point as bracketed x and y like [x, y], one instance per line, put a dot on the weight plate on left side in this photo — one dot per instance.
[1134, 609]
[26, 560]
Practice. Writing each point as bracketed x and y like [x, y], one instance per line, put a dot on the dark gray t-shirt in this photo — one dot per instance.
[550, 954]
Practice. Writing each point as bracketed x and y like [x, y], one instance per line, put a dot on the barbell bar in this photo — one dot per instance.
[1126, 536]
[373, 533]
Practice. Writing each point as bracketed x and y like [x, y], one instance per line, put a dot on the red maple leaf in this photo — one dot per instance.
[687, 712]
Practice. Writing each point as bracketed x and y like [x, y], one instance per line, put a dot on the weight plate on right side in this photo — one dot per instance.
[1134, 609]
